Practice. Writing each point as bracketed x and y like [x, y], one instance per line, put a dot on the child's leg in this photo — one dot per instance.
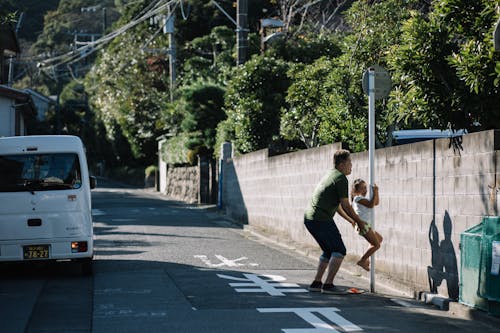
[374, 238]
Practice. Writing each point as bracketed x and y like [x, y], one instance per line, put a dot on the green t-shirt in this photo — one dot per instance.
[326, 197]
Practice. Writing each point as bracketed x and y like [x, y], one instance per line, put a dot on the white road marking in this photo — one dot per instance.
[272, 285]
[97, 212]
[224, 261]
[319, 325]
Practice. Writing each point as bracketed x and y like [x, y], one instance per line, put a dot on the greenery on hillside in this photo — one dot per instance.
[304, 90]
[32, 23]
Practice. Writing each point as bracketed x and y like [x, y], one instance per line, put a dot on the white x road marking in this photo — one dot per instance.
[224, 261]
[272, 285]
[97, 212]
[320, 326]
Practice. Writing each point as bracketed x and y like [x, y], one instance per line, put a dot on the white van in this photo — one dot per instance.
[45, 203]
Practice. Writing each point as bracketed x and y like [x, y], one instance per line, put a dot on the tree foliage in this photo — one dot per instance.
[128, 93]
[203, 111]
[305, 86]
[254, 98]
[447, 67]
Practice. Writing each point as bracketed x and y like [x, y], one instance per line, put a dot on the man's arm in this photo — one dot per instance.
[347, 208]
[345, 216]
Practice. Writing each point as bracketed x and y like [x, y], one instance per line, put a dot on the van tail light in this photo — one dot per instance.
[79, 247]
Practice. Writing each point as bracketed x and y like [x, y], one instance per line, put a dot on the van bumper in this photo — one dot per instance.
[58, 249]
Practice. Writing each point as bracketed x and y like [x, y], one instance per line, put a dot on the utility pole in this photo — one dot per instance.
[169, 28]
[10, 78]
[58, 106]
[166, 23]
[104, 22]
[242, 31]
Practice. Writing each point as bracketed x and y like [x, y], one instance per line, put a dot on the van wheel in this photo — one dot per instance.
[86, 266]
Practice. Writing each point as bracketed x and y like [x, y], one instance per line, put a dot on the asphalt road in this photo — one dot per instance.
[163, 266]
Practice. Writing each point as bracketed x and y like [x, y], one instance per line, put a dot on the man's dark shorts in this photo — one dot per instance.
[328, 237]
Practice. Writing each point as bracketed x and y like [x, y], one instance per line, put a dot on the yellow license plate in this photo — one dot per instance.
[36, 251]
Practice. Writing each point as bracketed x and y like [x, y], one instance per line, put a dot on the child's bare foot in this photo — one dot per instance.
[364, 264]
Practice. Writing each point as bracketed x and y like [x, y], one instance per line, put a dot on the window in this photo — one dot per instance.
[39, 172]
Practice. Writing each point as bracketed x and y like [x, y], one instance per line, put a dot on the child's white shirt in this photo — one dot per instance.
[363, 211]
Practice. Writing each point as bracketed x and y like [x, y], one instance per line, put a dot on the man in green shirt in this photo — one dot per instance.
[329, 197]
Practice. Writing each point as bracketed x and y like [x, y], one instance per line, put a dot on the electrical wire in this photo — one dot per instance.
[75, 55]
[184, 16]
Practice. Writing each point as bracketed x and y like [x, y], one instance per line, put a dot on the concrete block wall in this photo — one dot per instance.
[429, 194]
[272, 192]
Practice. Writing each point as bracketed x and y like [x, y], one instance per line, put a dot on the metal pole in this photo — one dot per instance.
[10, 78]
[104, 23]
[242, 31]
[11, 71]
[172, 52]
[371, 154]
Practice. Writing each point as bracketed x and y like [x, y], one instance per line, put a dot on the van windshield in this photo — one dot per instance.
[39, 172]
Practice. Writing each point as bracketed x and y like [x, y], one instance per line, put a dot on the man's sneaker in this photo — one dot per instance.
[331, 289]
[316, 286]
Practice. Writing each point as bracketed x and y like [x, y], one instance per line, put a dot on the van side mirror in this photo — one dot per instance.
[93, 182]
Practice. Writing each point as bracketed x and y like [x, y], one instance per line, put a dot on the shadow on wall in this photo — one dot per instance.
[444, 260]
[232, 198]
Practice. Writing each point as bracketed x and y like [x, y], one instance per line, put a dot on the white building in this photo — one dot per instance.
[16, 110]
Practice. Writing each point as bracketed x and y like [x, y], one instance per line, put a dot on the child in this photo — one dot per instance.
[363, 206]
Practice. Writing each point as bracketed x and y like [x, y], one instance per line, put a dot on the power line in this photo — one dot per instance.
[91, 47]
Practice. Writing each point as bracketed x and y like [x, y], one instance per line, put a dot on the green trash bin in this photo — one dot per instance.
[489, 276]
[470, 263]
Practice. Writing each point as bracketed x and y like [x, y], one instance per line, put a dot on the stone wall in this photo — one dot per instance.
[430, 192]
[182, 183]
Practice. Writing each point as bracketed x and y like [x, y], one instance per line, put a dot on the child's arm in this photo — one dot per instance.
[374, 199]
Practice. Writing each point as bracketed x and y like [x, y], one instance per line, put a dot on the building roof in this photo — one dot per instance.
[23, 99]
[13, 93]
[40, 96]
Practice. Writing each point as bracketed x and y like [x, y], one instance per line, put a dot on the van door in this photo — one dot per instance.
[41, 197]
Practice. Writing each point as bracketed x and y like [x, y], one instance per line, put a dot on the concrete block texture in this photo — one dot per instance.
[430, 192]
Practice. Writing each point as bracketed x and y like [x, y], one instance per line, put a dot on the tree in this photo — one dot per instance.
[344, 111]
[314, 14]
[305, 48]
[207, 56]
[203, 111]
[302, 119]
[446, 66]
[126, 92]
[254, 98]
